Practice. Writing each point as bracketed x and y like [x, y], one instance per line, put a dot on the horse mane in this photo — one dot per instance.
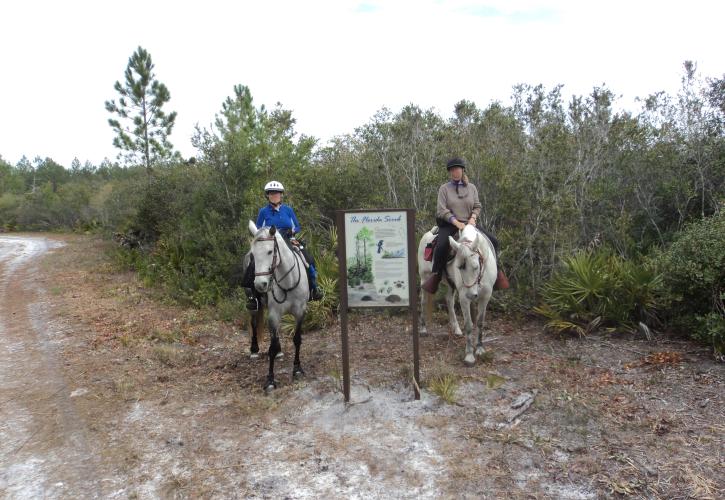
[466, 236]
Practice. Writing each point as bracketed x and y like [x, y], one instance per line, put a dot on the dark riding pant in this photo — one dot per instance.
[443, 246]
[248, 279]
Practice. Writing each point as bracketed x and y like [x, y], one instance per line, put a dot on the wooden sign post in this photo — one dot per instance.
[377, 258]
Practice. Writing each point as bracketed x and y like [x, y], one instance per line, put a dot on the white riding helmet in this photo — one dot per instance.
[273, 186]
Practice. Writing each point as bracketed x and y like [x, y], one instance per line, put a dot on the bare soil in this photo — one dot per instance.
[107, 389]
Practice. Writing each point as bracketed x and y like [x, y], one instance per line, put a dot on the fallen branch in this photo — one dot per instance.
[521, 404]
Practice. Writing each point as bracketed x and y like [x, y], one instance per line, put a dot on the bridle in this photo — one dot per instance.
[276, 261]
[481, 261]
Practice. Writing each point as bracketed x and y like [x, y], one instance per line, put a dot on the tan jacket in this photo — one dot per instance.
[461, 204]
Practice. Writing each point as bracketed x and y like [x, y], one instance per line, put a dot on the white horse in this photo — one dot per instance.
[472, 271]
[280, 274]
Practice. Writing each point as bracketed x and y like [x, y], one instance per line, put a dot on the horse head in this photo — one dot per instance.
[265, 249]
[468, 262]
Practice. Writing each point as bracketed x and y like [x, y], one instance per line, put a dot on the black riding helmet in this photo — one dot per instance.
[456, 162]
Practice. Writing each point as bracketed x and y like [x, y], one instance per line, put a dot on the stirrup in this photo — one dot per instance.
[252, 304]
[316, 294]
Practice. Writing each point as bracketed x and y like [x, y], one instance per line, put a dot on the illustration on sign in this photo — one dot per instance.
[377, 259]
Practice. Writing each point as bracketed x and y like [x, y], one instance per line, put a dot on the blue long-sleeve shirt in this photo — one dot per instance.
[283, 218]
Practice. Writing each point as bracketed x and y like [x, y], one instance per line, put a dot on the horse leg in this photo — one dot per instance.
[452, 319]
[480, 322]
[423, 313]
[255, 322]
[470, 359]
[274, 348]
[297, 371]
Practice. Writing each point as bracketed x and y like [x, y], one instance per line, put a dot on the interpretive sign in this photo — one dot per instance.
[377, 259]
[377, 269]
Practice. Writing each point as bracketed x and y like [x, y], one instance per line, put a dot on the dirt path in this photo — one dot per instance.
[44, 445]
[106, 390]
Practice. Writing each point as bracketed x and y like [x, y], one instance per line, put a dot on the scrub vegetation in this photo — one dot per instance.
[607, 218]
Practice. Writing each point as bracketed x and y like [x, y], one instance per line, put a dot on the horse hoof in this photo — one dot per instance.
[469, 360]
[279, 355]
[423, 332]
[254, 355]
[480, 351]
[270, 386]
[298, 373]
[458, 333]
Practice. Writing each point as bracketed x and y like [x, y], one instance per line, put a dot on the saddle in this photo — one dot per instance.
[298, 250]
[430, 247]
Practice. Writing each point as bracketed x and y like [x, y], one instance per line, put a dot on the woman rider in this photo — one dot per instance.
[283, 217]
[458, 205]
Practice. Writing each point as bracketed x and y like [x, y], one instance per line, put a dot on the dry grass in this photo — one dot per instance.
[699, 485]
[125, 387]
[444, 385]
[171, 355]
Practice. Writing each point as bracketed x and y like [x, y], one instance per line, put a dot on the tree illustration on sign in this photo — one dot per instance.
[360, 267]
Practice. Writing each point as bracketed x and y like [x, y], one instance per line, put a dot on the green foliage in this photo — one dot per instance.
[597, 288]
[555, 177]
[192, 217]
[143, 129]
[694, 276]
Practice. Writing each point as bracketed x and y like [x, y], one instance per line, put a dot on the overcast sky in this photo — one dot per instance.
[333, 63]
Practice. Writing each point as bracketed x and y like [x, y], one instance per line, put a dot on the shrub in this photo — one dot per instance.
[694, 277]
[596, 288]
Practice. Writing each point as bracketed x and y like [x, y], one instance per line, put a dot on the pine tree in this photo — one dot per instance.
[143, 135]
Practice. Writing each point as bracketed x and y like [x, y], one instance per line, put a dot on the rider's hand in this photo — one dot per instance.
[294, 241]
[472, 221]
[460, 225]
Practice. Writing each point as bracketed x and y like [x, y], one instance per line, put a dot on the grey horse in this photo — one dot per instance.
[472, 271]
[281, 275]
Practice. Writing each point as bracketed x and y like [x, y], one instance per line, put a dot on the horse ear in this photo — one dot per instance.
[272, 231]
[252, 228]
[454, 243]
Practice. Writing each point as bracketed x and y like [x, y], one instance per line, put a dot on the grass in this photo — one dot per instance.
[336, 375]
[170, 355]
[444, 385]
[125, 388]
[165, 336]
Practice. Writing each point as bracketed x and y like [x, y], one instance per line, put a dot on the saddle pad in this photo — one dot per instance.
[429, 250]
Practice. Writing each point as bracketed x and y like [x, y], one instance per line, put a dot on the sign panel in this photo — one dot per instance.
[377, 258]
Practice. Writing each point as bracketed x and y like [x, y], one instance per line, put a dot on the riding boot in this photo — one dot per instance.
[431, 284]
[316, 293]
[502, 282]
[252, 299]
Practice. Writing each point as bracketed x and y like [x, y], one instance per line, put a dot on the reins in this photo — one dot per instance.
[477, 281]
[276, 261]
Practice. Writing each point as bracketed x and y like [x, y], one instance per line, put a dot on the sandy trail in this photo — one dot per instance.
[44, 448]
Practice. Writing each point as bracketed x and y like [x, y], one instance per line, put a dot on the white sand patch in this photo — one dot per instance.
[372, 448]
